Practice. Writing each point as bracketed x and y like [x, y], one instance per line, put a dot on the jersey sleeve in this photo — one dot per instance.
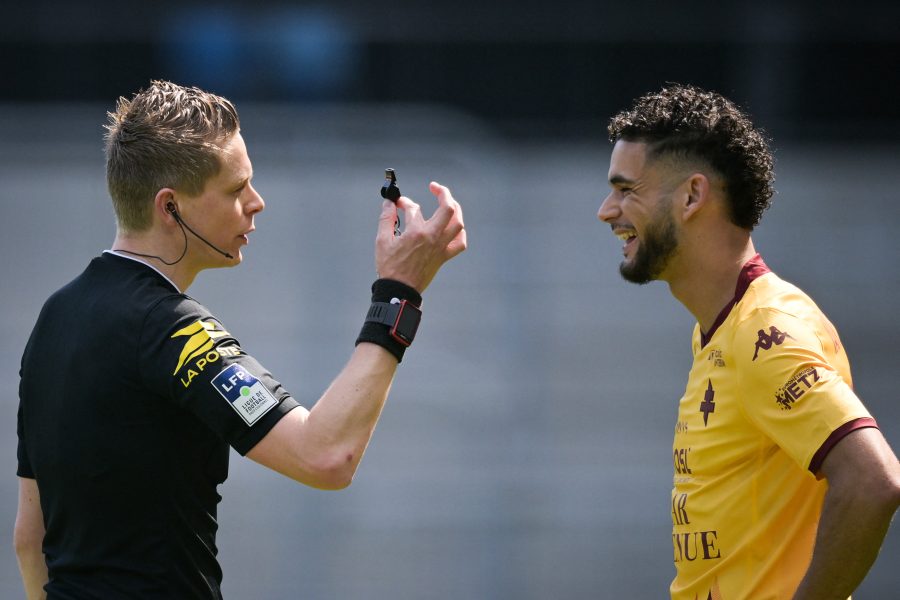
[795, 383]
[24, 464]
[190, 359]
[23, 468]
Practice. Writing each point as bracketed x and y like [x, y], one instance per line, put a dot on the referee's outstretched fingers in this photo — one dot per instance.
[416, 256]
[449, 219]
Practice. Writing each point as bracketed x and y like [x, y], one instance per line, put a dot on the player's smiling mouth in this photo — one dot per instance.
[627, 235]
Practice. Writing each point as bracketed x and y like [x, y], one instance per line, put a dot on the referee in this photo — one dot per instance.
[131, 391]
[783, 485]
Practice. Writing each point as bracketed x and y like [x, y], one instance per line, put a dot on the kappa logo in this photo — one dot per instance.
[766, 341]
[200, 340]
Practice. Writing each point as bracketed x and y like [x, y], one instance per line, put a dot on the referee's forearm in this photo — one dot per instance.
[346, 414]
[33, 568]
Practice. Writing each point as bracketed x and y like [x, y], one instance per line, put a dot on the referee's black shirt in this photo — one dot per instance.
[130, 395]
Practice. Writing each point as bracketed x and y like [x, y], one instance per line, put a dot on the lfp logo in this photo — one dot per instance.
[246, 394]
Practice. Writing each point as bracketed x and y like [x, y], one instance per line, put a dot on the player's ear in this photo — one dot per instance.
[695, 195]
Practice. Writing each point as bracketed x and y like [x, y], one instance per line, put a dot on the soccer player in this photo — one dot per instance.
[131, 391]
[784, 487]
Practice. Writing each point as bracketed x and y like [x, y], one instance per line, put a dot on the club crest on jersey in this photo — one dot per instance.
[709, 403]
[201, 335]
[245, 393]
[767, 340]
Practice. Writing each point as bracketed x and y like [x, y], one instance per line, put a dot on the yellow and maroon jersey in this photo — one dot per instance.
[768, 395]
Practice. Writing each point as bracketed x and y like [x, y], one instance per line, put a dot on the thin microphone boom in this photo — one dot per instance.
[171, 208]
[178, 218]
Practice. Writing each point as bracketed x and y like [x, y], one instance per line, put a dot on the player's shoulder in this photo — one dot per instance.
[770, 297]
[774, 311]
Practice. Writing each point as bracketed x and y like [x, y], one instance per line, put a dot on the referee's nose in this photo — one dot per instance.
[255, 203]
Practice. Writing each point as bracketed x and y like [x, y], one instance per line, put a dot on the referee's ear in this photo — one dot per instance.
[163, 203]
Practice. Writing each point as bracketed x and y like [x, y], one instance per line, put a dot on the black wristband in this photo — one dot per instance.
[384, 291]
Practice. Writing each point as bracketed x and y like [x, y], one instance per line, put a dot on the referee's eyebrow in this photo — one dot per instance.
[244, 181]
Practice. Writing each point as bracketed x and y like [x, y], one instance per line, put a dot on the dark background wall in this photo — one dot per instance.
[809, 69]
[524, 452]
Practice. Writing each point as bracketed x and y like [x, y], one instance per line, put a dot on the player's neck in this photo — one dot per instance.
[707, 278]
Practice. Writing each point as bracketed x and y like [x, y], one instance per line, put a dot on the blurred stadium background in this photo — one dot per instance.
[524, 453]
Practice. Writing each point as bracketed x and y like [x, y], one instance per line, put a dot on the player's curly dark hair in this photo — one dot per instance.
[683, 121]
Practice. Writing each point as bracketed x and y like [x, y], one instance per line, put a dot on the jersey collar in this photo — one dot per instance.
[753, 268]
[137, 260]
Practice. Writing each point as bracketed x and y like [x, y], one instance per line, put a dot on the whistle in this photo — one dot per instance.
[389, 189]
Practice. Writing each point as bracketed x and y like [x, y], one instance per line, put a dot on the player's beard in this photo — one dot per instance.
[656, 247]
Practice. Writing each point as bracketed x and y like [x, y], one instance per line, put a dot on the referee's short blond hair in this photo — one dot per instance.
[165, 136]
